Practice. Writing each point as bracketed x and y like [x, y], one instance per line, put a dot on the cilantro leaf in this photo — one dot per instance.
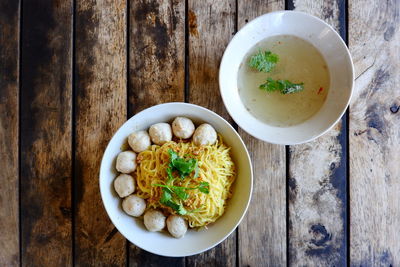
[175, 206]
[270, 85]
[169, 175]
[196, 170]
[204, 187]
[183, 166]
[166, 199]
[283, 86]
[264, 61]
[173, 155]
[166, 196]
[291, 88]
[181, 210]
[180, 192]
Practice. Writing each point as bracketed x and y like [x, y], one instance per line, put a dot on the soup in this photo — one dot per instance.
[299, 62]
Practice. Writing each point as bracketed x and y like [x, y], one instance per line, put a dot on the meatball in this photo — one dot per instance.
[154, 220]
[182, 127]
[124, 185]
[204, 135]
[134, 205]
[126, 162]
[177, 226]
[160, 133]
[139, 141]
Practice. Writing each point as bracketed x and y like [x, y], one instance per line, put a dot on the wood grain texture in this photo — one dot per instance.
[100, 74]
[46, 101]
[328, 10]
[157, 53]
[9, 109]
[211, 25]
[317, 183]
[262, 234]
[374, 42]
[156, 75]
[316, 210]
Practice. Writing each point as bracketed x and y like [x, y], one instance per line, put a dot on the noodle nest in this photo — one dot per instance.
[215, 167]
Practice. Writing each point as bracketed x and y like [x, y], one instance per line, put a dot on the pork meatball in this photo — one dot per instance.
[160, 133]
[177, 226]
[182, 127]
[134, 205]
[154, 220]
[124, 185]
[126, 162]
[204, 135]
[139, 141]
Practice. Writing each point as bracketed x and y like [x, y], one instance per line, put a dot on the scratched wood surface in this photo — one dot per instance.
[262, 234]
[211, 25]
[156, 75]
[317, 189]
[9, 128]
[72, 72]
[374, 42]
[100, 108]
[46, 133]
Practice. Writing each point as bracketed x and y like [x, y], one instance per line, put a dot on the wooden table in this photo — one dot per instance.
[73, 71]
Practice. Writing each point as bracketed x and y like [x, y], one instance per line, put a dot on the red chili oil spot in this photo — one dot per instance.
[320, 90]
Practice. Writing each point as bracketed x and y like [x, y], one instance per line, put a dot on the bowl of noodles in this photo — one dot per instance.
[203, 182]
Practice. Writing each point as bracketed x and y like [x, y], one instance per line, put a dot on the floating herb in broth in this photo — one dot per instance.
[293, 88]
[283, 86]
[263, 61]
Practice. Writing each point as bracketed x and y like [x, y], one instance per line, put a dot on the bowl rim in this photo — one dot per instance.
[224, 96]
[247, 156]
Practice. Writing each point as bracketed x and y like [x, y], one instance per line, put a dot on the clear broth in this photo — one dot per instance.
[299, 61]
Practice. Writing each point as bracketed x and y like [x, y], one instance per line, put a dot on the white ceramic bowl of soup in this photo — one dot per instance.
[195, 241]
[312, 30]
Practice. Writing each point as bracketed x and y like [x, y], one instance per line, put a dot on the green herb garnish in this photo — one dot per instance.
[169, 175]
[169, 191]
[183, 166]
[283, 86]
[204, 187]
[172, 196]
[166, 199]
[264, 61]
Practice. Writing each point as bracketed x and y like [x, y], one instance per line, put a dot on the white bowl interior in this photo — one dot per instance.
[194, 241]
[311, 29]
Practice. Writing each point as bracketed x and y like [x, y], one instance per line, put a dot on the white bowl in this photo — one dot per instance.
[194, 241]
[330, 45]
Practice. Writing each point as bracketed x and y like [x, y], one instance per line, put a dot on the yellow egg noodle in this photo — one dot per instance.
[215, 167]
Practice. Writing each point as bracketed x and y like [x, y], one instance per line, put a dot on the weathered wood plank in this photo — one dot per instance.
[157, 53]
[317, 182]
[374, 41]
[100, 86]
[9, 108]
[211, 26]
[317, 202]
[156, 74]
[46, 134]
[262, 234]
